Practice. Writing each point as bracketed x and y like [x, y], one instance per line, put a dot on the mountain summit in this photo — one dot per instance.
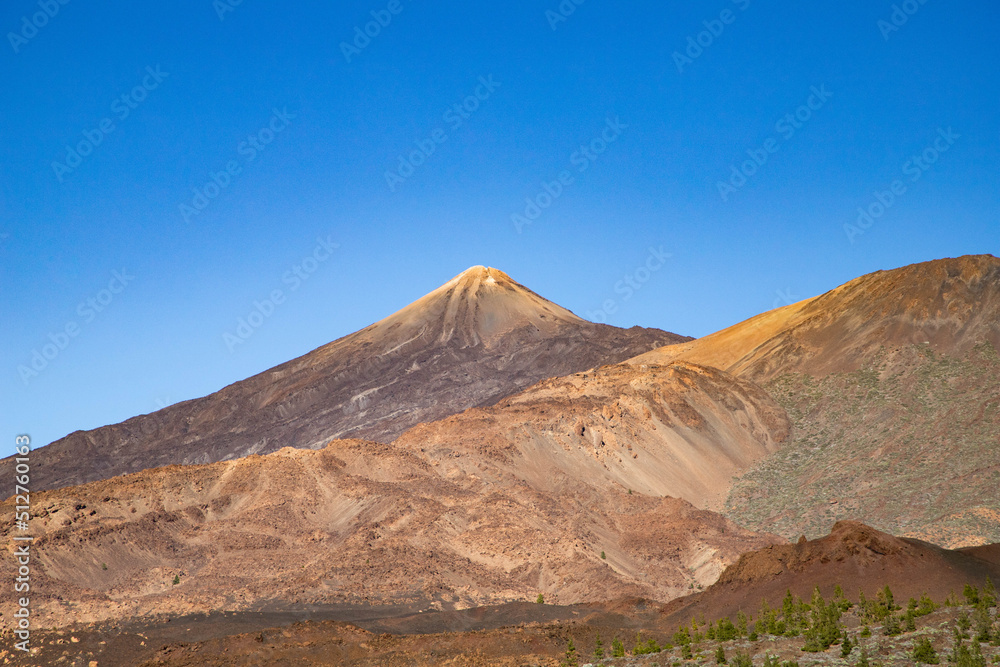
[476, 339]
[479, 305]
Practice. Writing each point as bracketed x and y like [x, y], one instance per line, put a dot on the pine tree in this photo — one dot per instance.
[177, 579]
[923, 651]
[989, 593]
[720, 655]
[846, 647]
[863, 660]
[925, 605]
[617, 648]
[571, 659]
[540, 599]
[598, 648]
[741, 660]
[741, 623]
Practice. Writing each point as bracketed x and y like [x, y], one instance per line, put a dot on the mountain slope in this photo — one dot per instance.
[949, 304]
[356, 522]
[892, 385]
[479, 337]
[680, 430]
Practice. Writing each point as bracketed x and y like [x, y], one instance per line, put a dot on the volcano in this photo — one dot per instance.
[476, 339]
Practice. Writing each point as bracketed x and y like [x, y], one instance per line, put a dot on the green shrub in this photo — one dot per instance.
[983, 623]
[598, 648]
[846, 647]
[965, 656]
[540, 599]
[645, 647]
[741, 660]
[925, 605]
[617, 648]
[177, 579]
[891, 627]
[963, 624]
[923, 651]
[726, 631]
[720, 656]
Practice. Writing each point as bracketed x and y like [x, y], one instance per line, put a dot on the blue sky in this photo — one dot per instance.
[250, 141]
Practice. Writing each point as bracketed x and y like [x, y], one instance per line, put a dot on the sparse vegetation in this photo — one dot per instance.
[820, 625]
[540, 599]
[177, 579]
[910, 391]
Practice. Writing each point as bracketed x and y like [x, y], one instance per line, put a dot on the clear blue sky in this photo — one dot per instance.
[675, 129]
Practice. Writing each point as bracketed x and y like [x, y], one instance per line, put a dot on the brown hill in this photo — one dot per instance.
[892, 386]
[479, 337]
[680, 430]
[357, 522]
[952, 305]
[853, 556]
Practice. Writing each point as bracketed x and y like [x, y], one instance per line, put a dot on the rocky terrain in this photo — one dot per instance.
[364, 522]
[910, 443]
[690, 631]
[853, 556]
[474, 340]
[680, 430]
[883, 380]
